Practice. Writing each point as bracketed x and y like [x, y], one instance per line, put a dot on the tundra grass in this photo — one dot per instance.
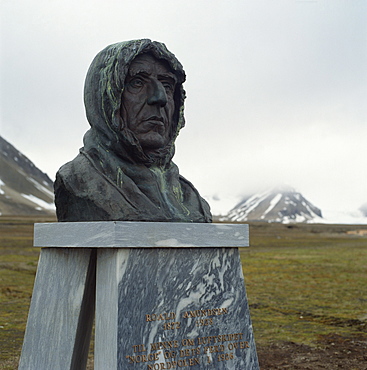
[306, 281]
[302, 281]
[18, 264]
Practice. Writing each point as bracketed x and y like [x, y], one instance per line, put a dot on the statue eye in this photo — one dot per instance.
[168, 87]
[136, 82]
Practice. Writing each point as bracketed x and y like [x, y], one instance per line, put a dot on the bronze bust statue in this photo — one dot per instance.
[134, 101]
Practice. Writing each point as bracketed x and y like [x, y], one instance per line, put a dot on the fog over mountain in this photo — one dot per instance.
[363, 209]
[24, 189]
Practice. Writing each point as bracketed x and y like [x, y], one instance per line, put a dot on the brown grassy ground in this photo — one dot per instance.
[18, 264]
[306, 284]
[307, 289]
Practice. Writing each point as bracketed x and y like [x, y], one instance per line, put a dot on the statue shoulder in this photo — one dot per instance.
[194, 199]
[78, 167]
[75, 193]
[74, 178]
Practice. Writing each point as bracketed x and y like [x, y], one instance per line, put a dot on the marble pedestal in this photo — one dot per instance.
[168, 296]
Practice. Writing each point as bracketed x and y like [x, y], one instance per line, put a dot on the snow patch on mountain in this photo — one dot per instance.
[1, 184]
[41, 204]
[40, 187]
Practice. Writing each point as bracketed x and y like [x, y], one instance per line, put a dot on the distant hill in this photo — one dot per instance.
[281, 204]
[24, 189]
[363, 209]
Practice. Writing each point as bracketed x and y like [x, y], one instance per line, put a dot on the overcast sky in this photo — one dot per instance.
[276, 90]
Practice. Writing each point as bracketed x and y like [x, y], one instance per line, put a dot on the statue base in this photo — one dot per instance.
[175, 300]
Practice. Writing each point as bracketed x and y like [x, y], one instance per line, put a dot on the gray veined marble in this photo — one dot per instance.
[173, 308]
[62, 310]
[121, 234]
[167, 296]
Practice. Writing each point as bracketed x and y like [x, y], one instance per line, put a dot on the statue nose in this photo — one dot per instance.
[157, 94]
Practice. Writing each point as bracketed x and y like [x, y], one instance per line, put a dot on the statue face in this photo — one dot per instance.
[147, 101]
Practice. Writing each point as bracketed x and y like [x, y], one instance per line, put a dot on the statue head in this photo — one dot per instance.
[148, 103]
[134, 101]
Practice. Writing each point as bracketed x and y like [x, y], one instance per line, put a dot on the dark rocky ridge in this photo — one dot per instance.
[24, 189]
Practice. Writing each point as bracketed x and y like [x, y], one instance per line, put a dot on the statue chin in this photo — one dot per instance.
[151, 141]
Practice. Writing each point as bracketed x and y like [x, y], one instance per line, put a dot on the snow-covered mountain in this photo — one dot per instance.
[281, 204]
[24, 189]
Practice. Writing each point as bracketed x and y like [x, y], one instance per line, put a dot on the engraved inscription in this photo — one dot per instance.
[164, 345]
[160, 316]
[188, 315]
[139, 348]
[187, 352]
[220, 338]
[174, 364]
[208, 312]
[225, 356]
[143, 358]
[204, 322]
[172, 325]
[204, 350]
[211, 349]
[190, 352]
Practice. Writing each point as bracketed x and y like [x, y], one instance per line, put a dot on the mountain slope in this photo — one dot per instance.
[281, 204]
[24, 189]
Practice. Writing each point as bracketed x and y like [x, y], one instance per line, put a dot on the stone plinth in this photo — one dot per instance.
[115, 234]
[62, 310]
[168, 296]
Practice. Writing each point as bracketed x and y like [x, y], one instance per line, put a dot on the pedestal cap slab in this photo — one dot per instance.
[122, 234]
